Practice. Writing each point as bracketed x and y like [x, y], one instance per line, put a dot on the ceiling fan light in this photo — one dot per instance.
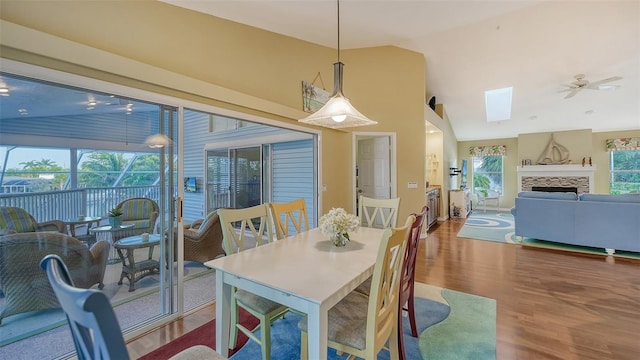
[608, 87]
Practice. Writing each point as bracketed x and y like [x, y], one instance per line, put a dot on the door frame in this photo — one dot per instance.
[393, 163]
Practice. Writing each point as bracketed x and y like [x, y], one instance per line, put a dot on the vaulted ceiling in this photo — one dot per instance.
[536, 47]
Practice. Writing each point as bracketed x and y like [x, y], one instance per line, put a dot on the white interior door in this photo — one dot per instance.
[374, 168]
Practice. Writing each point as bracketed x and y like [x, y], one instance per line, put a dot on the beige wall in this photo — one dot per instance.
[578, 142]
[158, 47]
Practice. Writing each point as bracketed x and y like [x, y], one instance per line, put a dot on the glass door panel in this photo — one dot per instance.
[245, 177]
[92, 154]
[217, 179]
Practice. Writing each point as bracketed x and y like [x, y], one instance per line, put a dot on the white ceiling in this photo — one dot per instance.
[471, 46]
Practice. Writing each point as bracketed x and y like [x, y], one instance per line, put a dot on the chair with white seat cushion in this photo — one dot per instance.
[93, 323]
[378, 213]
[362, 325]
[240, 226]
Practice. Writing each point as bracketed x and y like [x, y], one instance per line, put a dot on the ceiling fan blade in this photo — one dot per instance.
[572, 93]
[565, 90]
[595, 84]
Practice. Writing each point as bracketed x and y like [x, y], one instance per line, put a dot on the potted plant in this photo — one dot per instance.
[115, 217]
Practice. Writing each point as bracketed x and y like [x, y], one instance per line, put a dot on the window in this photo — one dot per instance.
[624, 171]
[487, 172]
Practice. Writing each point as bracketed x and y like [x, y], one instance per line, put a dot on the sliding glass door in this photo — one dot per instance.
[70, 154]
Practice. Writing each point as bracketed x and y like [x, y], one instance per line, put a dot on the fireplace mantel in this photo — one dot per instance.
[559, 171]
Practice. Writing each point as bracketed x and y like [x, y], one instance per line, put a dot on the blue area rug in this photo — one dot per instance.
[451, 325]
[489, 226]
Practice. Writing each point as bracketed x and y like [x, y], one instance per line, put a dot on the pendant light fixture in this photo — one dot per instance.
[157, 141]
[338, 111]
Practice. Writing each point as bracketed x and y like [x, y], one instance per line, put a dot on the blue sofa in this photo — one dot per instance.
[611, 222]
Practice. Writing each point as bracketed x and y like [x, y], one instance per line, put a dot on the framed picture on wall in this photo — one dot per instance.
[313, 97]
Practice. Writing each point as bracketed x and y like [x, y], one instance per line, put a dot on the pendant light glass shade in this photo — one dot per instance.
[157, 141]
[338, 112]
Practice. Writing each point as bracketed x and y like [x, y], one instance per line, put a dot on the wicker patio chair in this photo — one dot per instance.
[18, 220]
[141, 212]
[25, 286]
[203, 240]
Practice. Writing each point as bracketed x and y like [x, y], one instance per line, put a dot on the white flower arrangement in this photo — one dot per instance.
[338, 222]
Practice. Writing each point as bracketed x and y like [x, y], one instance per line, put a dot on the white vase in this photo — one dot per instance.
[340, 240]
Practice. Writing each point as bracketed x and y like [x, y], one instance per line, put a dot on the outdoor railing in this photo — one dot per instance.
[217, 196]
[69, 204]
[247, 194]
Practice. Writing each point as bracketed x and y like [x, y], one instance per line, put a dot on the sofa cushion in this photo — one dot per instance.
[624, 198]
[549, 195]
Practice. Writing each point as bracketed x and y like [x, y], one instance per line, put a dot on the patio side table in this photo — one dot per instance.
[88, 238]
[135, 270]
[112, 234]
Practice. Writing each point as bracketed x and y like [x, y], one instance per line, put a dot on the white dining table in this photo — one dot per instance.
[304, 272]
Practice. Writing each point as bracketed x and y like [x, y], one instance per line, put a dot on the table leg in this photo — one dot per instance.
[133, 277]
[223, 314]
[317, 328]
[124, 253]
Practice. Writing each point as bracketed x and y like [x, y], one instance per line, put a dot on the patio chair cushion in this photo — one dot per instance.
[15, 219]
[142, 212]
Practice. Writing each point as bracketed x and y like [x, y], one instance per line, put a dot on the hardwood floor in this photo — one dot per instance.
[550, 304]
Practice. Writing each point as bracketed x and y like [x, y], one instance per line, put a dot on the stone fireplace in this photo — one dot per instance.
[557, 176]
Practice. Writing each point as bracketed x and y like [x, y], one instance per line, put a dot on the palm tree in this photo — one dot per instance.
[491, 167]
[144, 171]
[102, 169]
[36, 168]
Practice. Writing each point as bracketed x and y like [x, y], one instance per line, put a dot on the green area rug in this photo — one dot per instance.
[465, 333]
[500, 227]
[451, 325]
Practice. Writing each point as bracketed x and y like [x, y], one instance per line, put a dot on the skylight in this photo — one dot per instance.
[498, 104]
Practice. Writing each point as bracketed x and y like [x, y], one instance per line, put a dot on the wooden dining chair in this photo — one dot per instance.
[361, 325]
[93, 323]
[289, 216]
[238, 227]
[378, 213]
[407, 280]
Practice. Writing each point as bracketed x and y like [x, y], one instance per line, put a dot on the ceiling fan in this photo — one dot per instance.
[582, 83]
